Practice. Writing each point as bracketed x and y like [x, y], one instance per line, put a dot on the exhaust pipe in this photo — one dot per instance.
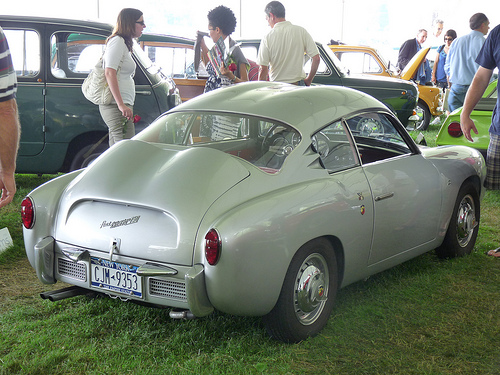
[57, 295]
[181, 314]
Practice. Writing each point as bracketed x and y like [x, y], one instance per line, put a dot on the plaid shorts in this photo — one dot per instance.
[493, 164]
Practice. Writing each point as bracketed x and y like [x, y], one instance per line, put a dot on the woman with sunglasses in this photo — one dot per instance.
[119, 69]
[439, 77]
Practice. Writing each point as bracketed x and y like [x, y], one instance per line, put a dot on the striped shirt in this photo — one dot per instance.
[8, 79]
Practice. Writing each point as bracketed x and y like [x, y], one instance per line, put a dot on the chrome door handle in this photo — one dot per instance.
[384, 196]
[143, 93]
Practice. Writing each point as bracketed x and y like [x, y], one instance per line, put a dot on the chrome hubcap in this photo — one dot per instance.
[311, 289]
[466, 220]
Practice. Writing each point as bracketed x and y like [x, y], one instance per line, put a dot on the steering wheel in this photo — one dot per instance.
[369, 126]
[321, 144]
[281, 143]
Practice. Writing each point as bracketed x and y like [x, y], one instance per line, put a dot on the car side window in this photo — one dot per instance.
[176, 62]
[24, 48]
[377, 138]
[74, 55]
[360, 62]
[335, 147]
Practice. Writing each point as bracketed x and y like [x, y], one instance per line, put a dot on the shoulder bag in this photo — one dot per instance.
[95, 88]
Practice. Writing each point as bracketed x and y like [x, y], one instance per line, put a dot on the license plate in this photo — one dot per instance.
[115, 277]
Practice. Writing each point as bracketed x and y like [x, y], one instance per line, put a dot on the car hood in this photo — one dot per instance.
[417, 60]
[148, 200]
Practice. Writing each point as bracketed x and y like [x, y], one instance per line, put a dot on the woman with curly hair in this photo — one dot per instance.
[221, 24]
[119, 69]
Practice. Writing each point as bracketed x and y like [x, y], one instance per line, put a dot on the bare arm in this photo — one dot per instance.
[474, 94]
[9, 143]
[314, 68]
[434, 69]
[263, 72]
[112, 80]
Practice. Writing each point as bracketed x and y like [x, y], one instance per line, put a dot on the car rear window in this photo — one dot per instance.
[264, 143]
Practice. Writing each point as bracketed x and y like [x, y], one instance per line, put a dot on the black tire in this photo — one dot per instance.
[83, 158]
[424, 115]
[307, 295]
[462, 231]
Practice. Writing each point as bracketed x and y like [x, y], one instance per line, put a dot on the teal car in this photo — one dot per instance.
[451, 133]
[61, 130]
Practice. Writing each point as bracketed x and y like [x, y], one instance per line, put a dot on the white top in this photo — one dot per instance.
[117, 56]
[283, 49]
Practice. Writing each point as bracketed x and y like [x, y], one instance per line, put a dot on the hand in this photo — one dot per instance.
[307, 81]
[226, 72]
[466, 124]
[7, 189]
[126, 111]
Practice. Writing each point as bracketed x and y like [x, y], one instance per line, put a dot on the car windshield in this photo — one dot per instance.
[262, 142]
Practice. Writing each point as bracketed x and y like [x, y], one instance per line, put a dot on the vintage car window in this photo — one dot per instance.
[176, 62]
[264, 143]
[335, 147]
[360, 62]
[377, 137]
[74, 55]
[24, 48]
[335, 61]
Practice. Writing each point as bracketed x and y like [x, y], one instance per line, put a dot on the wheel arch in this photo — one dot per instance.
[338, 249]
[78, 143]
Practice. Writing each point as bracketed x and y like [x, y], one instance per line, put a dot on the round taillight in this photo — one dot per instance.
[212, 247]
[454, 129]
[28, 213]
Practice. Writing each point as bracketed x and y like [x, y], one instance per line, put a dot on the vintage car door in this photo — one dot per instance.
[405, 187]
[25, 43]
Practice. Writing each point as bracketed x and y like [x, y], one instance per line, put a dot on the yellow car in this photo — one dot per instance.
[367, 60]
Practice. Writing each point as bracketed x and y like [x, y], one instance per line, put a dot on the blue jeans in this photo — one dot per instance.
[456, 97]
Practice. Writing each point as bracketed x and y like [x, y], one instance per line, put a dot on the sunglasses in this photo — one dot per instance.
[448, 38]
[141, 23]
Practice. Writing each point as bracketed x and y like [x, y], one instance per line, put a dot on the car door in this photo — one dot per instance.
[405, 187]
[25, 43]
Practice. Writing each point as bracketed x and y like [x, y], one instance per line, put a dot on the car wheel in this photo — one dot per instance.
[86, 156]
[464, 225]
[307, 295]
[424, 116]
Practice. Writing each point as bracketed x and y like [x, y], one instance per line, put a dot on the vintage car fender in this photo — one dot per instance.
[259, 242]
[46, 203]
[457, 164]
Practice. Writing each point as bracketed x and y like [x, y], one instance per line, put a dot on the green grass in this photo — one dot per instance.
[425, 316]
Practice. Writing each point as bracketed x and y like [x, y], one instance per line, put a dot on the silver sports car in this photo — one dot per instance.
[261, 199]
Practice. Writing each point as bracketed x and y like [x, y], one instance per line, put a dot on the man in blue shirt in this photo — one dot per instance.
[488, 59]
[461, 61]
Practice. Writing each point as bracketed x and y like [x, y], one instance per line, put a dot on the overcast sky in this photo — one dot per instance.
[383, 24]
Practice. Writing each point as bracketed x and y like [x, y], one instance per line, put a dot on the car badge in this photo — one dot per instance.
[361, 197]
[362, 209]
[120, 223]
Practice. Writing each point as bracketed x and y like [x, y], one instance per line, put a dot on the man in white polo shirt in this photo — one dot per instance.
[282, 50]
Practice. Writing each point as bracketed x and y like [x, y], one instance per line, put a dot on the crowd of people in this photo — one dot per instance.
[463, 65]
